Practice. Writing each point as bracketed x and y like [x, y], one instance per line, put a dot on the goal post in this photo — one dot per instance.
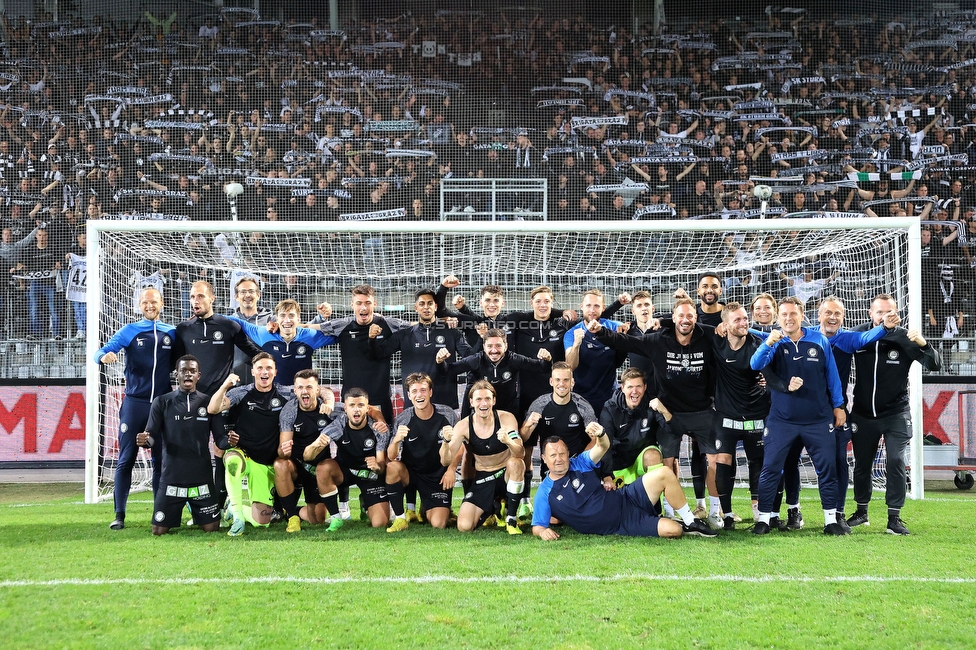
[322, 260]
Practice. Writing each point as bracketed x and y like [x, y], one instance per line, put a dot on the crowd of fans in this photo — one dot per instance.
[838, 114]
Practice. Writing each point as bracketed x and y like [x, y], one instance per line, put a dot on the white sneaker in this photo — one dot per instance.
[344, 511]
[714, 521]
[80, 334]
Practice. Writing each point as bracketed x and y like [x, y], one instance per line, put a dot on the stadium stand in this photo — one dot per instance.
[839, 114]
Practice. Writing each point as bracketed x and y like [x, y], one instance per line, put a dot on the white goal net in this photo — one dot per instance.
[316, 262]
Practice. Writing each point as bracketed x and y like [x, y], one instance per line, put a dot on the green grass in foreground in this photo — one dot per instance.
[66, 580]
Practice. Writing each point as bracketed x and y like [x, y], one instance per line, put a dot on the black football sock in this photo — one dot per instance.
[289, 503]
[395, 492]
[331, 501]
[723, 484]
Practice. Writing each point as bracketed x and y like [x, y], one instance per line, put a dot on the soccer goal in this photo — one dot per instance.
[854, 258]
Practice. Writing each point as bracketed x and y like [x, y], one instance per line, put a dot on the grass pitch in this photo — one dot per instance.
[66, 580]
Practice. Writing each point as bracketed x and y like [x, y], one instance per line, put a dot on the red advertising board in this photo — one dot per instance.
[47, 423]
[42, 423]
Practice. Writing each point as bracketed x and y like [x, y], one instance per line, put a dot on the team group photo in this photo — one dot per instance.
[380, 324]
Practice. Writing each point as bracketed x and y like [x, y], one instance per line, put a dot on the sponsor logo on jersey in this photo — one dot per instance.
[140, 342]
[439, 338]
[506, 375]
[413, 439]
[322, 423]
[368, 443]
[812, 352]
[218, 336]
[171, 490]
[167, 340]
[124, 427]
[576, 483]
[573, 419]
[201, 411]
[892, 354]
[275, 403]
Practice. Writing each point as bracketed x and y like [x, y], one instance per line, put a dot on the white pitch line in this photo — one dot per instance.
[508, 579]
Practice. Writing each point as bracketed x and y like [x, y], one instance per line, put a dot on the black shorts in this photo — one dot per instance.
[697, 424]
[170, 499]
[729, 431]
[428, 485]
[307, 482]
[487, 487]
[371, 491]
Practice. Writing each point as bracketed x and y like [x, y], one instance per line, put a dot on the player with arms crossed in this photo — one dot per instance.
[147, 344]
[302, 421]
[415, 455]
[254, 413]
[179, 422]
[492, 437]
[574, 494]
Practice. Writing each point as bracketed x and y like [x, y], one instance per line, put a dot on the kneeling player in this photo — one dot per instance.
[361, 459]
[492, 438]
[575, 495]
[418, 434]
[631, 424]
[254, 410]
[180, 422]
[300, 452]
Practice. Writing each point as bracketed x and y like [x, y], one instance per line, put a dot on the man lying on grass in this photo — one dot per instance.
[574, 494]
